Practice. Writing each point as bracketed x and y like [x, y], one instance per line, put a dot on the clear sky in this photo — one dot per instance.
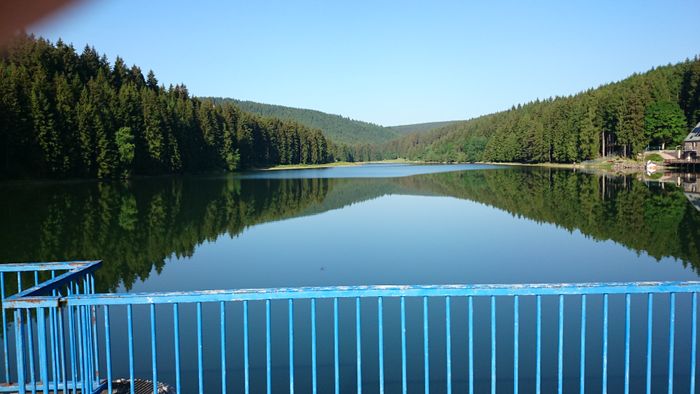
[387, 62]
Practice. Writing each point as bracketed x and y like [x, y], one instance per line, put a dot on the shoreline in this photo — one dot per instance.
[609, 166]
[335, 164]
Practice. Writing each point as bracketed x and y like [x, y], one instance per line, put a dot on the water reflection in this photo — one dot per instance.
[137, 226]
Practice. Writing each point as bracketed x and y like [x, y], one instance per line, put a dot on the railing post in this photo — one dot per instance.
[650, 311]
[671, 339]
[516, 342]
[5, 347]
[582, 366]
[41, 340]
[605, 344]
[290, 304]
[108, 349]
[19, 350]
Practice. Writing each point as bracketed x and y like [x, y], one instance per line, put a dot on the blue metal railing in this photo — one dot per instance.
[51, 281]
[66, 305]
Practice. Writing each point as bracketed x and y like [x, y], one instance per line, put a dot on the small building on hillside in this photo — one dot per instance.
[691, 145]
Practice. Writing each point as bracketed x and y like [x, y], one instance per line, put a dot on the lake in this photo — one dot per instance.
[362, 225]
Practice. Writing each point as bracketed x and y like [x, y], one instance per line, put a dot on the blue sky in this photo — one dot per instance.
[387, 62]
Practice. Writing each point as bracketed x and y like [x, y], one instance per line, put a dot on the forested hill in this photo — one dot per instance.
[338, 128]
[420, 127]
[64, 114]
[654, 108]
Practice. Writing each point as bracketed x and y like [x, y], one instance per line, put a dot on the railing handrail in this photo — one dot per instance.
[48, 266]
[40, 296]
[363, 292]
[53, 303]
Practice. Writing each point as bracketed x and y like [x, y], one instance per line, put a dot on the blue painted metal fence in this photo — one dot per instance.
[60, 336]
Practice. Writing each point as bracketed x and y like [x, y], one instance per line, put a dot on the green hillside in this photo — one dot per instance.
[338, 128]
[654, 108]
[420, 127]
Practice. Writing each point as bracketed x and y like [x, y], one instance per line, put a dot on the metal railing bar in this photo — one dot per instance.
[493, 345]
[5, 347]
[291, 344]
[200, 350]
[377, 291]
[54, 337]
[605, 344]
[671, 339]
[650, 311]
[62, 347]
[154, 359]
[582, 362]
[560, 348]
[358, 343]
[71, 340]
[30, 350]
[46, 266]
[222, 328]
[538, 347]
[246, 366]
[516, 342]
[268, 346]
[426, 348]
[108, 349]
[93, 320]
[380, 336]
[130, 333]
[627, 343]
[54, 348]
[336, 354]
[43, 360]
[470, 319]
[693, 339]
[176, 345]
[314, 377]
[448, 346]
[19, 347]
[404, 387]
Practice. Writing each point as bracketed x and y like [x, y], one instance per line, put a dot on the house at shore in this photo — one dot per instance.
[691, 144]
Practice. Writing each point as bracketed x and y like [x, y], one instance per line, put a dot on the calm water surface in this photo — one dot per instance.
[372, 224]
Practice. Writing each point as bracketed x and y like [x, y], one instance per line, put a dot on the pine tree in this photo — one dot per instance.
[151, 81]
[43, 116]
[126, 149]
[665, 123]
[86, 133]
[153, 134]
[65, 123]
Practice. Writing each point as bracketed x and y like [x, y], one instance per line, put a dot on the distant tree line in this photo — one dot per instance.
[64, 114]
[656, 108]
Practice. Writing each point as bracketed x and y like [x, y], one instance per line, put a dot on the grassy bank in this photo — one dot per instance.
[337, 164]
